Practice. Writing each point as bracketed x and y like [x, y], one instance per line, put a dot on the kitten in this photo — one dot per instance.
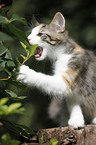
[74, 72]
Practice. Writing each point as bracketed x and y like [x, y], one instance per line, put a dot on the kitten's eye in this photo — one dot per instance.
[39, 34]
[44, 36]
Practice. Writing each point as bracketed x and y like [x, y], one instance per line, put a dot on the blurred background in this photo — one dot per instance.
[80, 18]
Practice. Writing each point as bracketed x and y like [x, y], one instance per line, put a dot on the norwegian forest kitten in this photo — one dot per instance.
[74, 73]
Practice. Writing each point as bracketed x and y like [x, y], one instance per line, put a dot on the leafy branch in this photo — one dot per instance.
[30, 50]
[10, 109]
[7, 76]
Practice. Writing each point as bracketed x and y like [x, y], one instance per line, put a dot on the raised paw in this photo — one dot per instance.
[23, 73]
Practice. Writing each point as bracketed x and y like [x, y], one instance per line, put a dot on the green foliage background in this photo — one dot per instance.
[9, 101]
[80, 22]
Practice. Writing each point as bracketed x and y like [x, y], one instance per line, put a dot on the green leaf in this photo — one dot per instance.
[5, 59]
[32, 49]
[24, 46]
[15, 17]
[2, 66]
[9, 55]
[6, 37]
[6, 140]
[3, 110]
[53, 142]
[21, 97]
[10, 63]
[17, 32]
[24, 57]
[3, 20]
[15, 142]
[18, 84]
[27, 129]
[18, 111]
[19, 63]
[3, 101]
[24, 131]
[2, 49]
[14, 106]
[10, 93]
[21, 130]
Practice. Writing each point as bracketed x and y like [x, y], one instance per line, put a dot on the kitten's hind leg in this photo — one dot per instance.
[94, 120]
[76, 117]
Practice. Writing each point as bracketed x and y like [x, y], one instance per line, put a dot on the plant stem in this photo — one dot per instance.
[26, 58]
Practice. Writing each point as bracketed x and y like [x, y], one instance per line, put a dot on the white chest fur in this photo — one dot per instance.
[61, 64]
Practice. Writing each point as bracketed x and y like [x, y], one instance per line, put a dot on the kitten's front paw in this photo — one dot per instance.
[23, 73]
[76, 122]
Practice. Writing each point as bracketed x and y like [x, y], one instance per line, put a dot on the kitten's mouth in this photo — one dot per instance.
[38, 52]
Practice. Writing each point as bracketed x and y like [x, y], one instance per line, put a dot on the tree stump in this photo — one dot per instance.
[68, 135]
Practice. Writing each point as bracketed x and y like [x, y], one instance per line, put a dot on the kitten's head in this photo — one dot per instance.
[48, 36]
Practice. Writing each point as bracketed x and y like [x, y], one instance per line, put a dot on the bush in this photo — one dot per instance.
[9, 101]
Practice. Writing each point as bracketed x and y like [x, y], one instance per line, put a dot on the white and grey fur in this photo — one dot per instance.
[74, 73]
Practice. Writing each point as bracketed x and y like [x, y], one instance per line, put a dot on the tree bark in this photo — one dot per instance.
[68, 135]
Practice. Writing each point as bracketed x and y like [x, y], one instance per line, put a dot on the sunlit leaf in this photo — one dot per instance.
[24, 57]
[14, 106]
[3, 101]
[53, 142]
[19, 111]
[32, 49]
[6, 140]
[3, 110]
[24, 46]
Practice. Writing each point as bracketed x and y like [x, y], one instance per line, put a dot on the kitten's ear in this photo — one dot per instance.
[59, 21]
[34, 21]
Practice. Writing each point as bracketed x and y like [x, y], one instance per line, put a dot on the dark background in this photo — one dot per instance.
[80, 18]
